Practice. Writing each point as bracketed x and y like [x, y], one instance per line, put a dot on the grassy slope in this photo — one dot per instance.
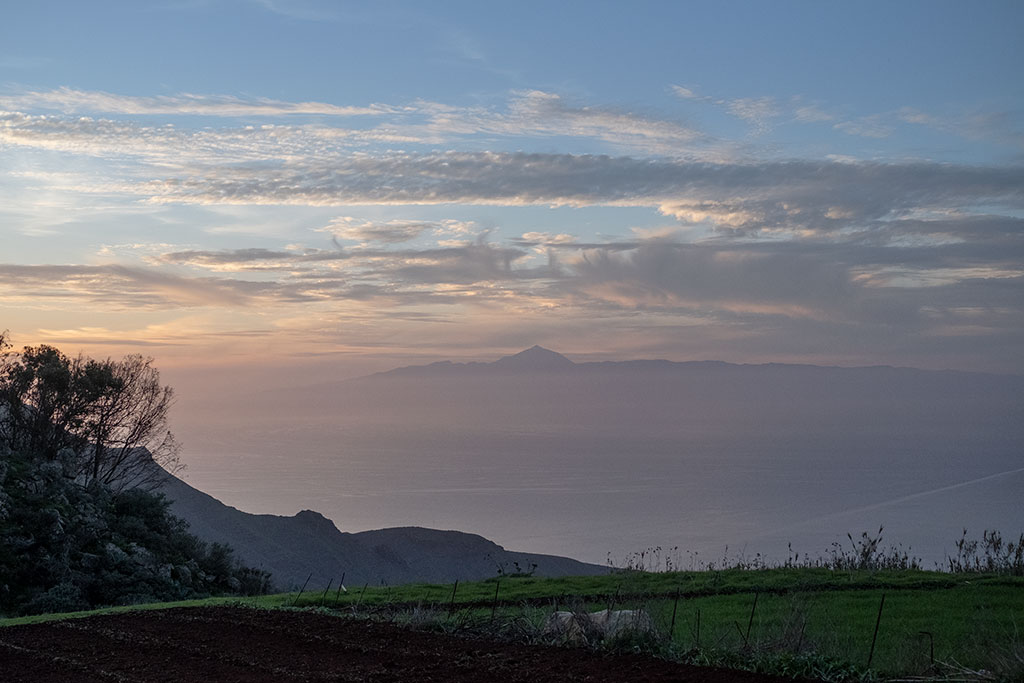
[972, 619]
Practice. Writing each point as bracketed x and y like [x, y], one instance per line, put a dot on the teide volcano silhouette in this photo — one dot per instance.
[533, 359]
[540, 389]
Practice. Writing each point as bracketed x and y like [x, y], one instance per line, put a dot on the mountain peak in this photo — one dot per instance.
[535, 358]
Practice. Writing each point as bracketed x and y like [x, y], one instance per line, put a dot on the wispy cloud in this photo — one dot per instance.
[389, 232]
[254, 258]
[290, 165]
[764, 112]
[685, 93]
[527, 115]
[117, 286]
[71, 101]
[535, 113]
[867, 127]
[814, 195]
[810, 113]
[758, 111]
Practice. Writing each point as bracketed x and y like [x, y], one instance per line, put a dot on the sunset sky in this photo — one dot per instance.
[353, 186]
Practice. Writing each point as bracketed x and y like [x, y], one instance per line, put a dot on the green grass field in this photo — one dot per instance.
[971, 622]
[968, 622]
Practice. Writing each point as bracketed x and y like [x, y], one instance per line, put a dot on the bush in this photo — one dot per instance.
[64, 597]
[74, 547]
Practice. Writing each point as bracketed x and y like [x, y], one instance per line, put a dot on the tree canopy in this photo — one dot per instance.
[81, 445]
[111, 414]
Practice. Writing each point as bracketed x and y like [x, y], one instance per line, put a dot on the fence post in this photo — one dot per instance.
[302, 589]
[874, 637]
[750, 622]
[451, 605]
[672, 628]
[494, 605]
[324, 596]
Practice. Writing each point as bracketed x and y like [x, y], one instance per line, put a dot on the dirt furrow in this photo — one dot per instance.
[233, 645]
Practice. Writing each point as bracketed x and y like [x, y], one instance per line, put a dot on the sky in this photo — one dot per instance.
[328, 188]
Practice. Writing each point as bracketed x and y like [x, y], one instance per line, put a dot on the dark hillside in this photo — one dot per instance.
[292, 548]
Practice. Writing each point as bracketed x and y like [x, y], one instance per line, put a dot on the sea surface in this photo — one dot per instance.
[671, 499]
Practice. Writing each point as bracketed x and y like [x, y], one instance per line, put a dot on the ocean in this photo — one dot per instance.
[601, 496]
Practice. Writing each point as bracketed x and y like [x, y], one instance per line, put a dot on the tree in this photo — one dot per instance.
[81, 441]
[111, 414]
[44, 399]
[127, 427]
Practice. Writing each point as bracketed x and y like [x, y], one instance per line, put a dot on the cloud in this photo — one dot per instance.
[783, 290]
[479, 262]
[758, 111]
[546, 239]
[1002, 127]
[249, 259]
[530, 114]
[390, 232]
[790, 195]
[71, 101]
[685, 93]
[803, 252]
[289, 165]
[101, 336]
[547, 113]
[968, 289]
[118, 286]
[852, 281]
[809, 113]
[536, 113]
[168, 146]
[366, 272]
[693, 276]
[873, 126]
[762, 112]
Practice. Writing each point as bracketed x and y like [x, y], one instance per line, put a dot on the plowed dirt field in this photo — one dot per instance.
[237, 644]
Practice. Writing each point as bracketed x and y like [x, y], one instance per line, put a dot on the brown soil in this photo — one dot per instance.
[237, 644]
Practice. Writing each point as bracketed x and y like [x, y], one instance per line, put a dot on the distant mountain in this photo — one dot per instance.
[541, 391]
[293, 548]
[533, 359]
[540, 359]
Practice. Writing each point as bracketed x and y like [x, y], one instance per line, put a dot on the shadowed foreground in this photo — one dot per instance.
[238, 644]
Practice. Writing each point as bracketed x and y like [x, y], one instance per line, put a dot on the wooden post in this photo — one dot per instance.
[698, 628]
[360, 600]
[878, 621]
[672, 628]
[451, 605]
[324, 596]
[494, 605]
[750, 622]
[302, 589]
